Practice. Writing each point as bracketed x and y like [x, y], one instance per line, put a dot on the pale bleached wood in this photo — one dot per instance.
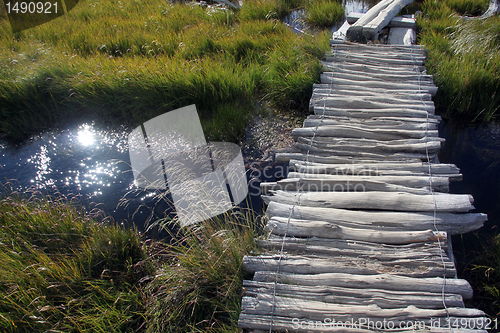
[377, 169]
[402, 36]
[379, 281]
[349, 248]
[375, 219]
[285, 157]
[341, 185]
[361, 90]
[389, 201]
[369, 146]
[440, 184]
[353, 131]
[387, 299]
[300, 228]
[363, 47]
[385, 16]
[411, 59]
[369, 113]
[313, 121]
[379, 84]
[401, 76]
[286, 324]
[264, 304]
[371, 103]
[398, 21]
[354, 58]
[359, 153]
[415, 71]
[355, 32]
[303, 264]
[389, 79]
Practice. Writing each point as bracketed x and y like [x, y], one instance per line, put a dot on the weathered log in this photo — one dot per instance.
[393, 201]
[360, 153]
[402, 124]
[414, 72]
[402, 76]
[386, 299]
[379, 281]
[308, 144]
[384, 17]
[398, 21]
[352, 131]
[402, 36]
[438, 183]
[301, 228]
[384, 58]
[263, 323]
[377, 169]
[355, 32]
[376, 219]
[370, 103]
[316, 265]
[340, 185]
[357, 90]
[389, 81]
[374, 60]
[380, 84]
[350, 248]
[370, 113]
[285, 157]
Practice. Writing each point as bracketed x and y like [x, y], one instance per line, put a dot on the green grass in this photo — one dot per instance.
[199, 288]
[62, 270]
[65, 270]
[463, 57]
[324, 13]
[483, 272]
[124, 62]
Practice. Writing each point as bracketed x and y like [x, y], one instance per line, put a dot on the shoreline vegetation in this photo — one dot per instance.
[124, 62]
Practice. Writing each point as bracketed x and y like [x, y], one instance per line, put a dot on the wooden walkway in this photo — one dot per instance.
[359, 231]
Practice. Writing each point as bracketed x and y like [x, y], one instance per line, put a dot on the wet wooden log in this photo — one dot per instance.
[385, 299]
[303, 264]
[378, 281]
[383, 220]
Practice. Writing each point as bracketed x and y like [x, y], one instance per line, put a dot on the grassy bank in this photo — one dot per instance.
[464, 57]
[124, 62]
[65, 270]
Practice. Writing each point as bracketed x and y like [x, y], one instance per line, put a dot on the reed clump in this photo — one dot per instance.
[463, 57]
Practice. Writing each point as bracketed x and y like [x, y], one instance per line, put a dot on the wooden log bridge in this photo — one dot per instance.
[358, 234]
